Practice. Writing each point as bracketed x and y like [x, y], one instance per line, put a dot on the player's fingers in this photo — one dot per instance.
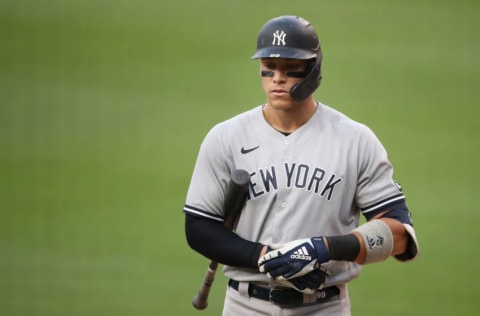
[277, 270]
[268, 256]
[270, 265]
[313, 279]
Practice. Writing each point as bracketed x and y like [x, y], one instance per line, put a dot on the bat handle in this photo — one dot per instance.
[200, 301]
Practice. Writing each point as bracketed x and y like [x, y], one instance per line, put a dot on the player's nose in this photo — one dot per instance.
[279, 76]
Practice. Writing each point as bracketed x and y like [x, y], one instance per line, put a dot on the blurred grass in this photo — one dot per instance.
[103, 105]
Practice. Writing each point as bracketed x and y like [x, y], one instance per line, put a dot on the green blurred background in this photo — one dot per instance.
[103, 105]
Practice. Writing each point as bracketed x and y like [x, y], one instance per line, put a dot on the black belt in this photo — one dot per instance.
[285, 296]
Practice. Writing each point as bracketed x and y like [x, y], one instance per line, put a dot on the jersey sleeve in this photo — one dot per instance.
[210, 177]
[376, 189]
[378, 192]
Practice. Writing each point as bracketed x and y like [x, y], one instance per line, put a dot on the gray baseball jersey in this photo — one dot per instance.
[314, 182]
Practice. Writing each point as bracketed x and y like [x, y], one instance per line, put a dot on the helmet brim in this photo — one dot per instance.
[284, 52]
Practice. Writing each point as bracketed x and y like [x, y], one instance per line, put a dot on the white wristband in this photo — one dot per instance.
[378, 239]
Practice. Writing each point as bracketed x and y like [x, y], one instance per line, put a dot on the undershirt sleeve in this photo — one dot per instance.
[211, 239]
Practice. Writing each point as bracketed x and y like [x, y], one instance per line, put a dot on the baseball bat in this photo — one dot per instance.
[237, 190]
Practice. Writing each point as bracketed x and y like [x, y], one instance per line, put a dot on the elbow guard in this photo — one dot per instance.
[413, 248]
[401, 213]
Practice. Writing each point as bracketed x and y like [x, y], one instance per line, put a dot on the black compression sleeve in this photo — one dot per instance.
[214, 241]
[345, 247]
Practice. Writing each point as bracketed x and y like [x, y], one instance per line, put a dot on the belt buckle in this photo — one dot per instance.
[270, 297]
[275, 296]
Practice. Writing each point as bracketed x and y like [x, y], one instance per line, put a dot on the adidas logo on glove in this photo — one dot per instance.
[301, 254]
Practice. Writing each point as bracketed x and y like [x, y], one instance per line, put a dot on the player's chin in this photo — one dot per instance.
[280, 99]
[284, 103]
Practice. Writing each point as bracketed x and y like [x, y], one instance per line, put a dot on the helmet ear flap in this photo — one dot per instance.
[302, 90]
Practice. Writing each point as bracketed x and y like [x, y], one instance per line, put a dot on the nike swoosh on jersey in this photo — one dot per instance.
[246, 151]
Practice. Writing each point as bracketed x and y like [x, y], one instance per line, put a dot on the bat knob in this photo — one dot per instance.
[240, 177]
[199, 305]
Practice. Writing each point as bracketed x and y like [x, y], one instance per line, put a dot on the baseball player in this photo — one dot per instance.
[313, 171]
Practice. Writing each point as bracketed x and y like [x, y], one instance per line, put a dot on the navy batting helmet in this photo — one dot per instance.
[292, 37]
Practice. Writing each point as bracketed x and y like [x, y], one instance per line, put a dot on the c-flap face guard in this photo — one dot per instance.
[307, 86]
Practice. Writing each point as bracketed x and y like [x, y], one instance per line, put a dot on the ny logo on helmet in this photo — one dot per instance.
[279, 38]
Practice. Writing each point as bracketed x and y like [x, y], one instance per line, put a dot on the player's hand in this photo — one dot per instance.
[294, 259]
[308, 283]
